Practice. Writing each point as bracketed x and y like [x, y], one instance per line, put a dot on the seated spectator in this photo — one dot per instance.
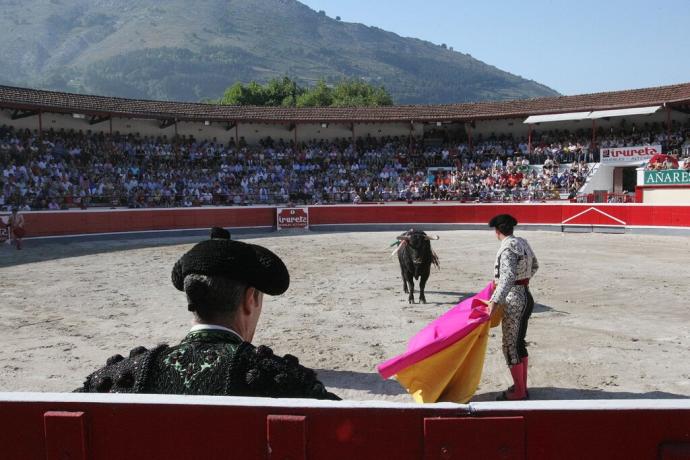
[224, 282]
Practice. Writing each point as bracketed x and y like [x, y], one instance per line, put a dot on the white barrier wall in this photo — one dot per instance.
[667, 196]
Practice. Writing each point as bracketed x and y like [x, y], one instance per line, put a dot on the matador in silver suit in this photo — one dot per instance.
[515, 265]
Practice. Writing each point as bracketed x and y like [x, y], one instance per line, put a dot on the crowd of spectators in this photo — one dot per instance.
[62, 169]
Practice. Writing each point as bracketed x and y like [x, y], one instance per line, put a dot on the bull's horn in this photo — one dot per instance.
[403, 238]
[432, 237]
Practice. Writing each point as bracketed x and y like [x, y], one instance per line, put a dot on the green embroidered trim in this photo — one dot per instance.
[190, 372]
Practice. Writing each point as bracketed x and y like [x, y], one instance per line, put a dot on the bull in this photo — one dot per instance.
[415, 257]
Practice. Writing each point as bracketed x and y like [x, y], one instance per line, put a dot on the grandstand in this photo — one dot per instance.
[60, 150]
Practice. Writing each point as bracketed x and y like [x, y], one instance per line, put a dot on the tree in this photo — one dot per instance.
[356, 93]
[318, 96]
[282, 92]
[286, 92]
[238, 94]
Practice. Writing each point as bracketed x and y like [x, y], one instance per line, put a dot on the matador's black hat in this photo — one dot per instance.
[251, 263]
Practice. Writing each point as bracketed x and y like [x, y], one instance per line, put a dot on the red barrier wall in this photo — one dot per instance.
[116, 427]
[75, 222]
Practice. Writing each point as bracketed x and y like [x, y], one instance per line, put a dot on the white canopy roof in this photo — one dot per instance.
[624, 112]
[590, 115]
[557, 117]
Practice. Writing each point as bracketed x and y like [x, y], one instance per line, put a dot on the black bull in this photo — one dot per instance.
[415, 256]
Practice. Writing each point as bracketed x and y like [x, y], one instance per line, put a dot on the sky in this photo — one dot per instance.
[574, 47]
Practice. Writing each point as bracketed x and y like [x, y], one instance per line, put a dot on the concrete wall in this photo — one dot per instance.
[666, 196]
[513, 126]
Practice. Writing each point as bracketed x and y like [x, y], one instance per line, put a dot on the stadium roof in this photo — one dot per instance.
[557, 117]
[102, 106]
[591, 115]
[625, 112]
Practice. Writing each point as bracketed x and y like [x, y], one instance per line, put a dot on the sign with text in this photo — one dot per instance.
[667, 177]
[634, 154]
[292, 218]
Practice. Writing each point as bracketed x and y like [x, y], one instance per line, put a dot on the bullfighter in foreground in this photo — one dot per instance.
[515, 265]
[224, 281]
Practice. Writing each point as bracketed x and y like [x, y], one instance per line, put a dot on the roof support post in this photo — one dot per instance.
[469, 138]
[40, 125]
[296, 144]
[110, 127]
[668, 120]
[594, 138]
[352, 128]
[529, 139]
[409, 148]
[237, 134]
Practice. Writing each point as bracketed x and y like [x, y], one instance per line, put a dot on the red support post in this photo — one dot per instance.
[529, 140]
[594, 136]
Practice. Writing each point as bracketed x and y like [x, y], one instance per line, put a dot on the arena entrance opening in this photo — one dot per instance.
[624, 179]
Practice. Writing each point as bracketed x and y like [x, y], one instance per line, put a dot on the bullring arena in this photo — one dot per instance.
[608, 339]
[611, 320]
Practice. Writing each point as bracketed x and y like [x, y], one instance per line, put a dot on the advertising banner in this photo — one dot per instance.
[292, 218]
[634, 154]
[667, 177]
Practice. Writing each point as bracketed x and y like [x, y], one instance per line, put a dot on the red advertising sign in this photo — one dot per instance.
[292, 218]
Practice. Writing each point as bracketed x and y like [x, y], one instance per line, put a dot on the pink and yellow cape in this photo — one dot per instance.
[444, 361]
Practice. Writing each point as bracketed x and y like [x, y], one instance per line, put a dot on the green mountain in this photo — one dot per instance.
[184, 50]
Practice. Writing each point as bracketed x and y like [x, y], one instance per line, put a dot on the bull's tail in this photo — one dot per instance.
[434, 259]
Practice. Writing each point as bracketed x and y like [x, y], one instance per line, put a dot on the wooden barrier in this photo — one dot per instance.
[74, 222]
[77, 426]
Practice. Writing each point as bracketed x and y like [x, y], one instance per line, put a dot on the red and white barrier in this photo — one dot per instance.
[91, 426]
[627, 216]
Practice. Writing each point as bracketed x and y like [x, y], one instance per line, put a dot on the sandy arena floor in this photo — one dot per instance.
[611, 319]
